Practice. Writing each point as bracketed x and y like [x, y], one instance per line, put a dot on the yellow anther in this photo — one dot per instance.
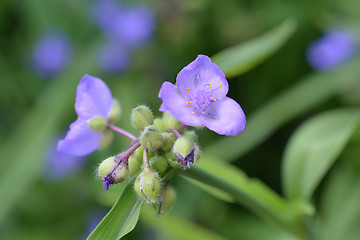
[213, 99]
[78, 117]
[189, 102]
[219, 85]
[193, 113]
[209, 84]
[188, 89]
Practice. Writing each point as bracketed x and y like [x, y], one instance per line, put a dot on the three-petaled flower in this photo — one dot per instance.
[93, 102]
[199, 98]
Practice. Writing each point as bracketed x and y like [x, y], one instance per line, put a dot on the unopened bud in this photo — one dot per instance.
[158, 164]
[170, 121]
[113, 171]
[159, 124]
[167, 199]
[151, 138]
[97, 123]
[115, 111]
[141, 117]
[135, 162]
[147, 185]
[106, 139]
[171, 160]
[169, 140]
[186, 151]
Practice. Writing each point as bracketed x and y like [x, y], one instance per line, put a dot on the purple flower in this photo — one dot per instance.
[113, 58]
[59, 165]
[51, 54]
[332, 50]
[199, 98]
[93, 99]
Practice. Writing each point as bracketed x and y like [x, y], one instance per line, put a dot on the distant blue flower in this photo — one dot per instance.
[332, 50]
[113, 58]
[93, 98]
[51, 54]
[199, 98]
[59, 165]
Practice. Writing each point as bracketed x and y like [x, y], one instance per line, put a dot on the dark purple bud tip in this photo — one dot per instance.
[106, 184]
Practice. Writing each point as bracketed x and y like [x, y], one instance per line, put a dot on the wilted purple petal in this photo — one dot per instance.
[228, 118]
[332, 50]
[113, 57]
[93, 98]
[80, 140]
[51, 54]
[202, 74]
[177, 106]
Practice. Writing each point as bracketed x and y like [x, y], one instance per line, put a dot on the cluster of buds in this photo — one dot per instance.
[163, 145]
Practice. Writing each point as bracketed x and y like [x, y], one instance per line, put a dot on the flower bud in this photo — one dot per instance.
[135, 161]
[141, 117]
[151, 138]
[106, 139]
[169, 140]
[115, 111]
[167, 200]
[147, 185]
[171, 160]
[97, 123]
[170, 121]
[158, 164]
[191, 135]
[186, 151]
[113, 171]
[159, 124]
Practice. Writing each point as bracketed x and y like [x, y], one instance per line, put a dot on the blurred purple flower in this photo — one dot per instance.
[199, 98]
[93, 98]
[104, 12]
[332, 50]
[113, 58]
[59, 165]
[51, 54]
[92, 222]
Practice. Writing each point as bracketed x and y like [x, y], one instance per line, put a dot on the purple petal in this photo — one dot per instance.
[80, 140]
[175, 105]
[202, 74]
[229, 118]
[93, 98]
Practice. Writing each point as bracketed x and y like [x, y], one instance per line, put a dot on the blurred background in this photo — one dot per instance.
[134, 46]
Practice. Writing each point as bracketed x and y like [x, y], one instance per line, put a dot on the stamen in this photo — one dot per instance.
[209, 84]
[213, 99]
[193, 113]
[78, 117]
[188, 89]
[220, 86]
[189, 102]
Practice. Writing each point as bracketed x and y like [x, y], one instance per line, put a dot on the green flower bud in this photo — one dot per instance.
[158, 164]
[97, 123]
[191, 135]
[141, 117]
[169, 140]
[186, 151]
[106, 166]
[159, 124]
[147, 185]
[167, 200]
[151, 138]
[106, 139]
[115, 111]
[112, 171]
[134, 164]
[170, 121]
[171, 160]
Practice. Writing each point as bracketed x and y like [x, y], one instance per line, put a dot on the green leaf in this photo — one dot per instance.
[313, 148]
[305, 95]
[250, 192]
[122, 217]
[177, 228]
[241, 58]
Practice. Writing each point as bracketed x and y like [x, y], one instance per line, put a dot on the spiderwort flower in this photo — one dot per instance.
[93, 101]
[332, 50]
[51, 54]
[199, 98]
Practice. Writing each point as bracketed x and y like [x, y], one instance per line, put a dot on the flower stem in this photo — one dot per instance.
[182, 128]
[174, 131]
[146, 159]
[124, 157]
[121, 131]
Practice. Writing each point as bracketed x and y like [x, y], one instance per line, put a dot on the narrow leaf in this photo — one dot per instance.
[313, 149]
[122, 217]
[241, 58]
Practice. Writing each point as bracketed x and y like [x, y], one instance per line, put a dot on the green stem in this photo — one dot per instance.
[261, 200]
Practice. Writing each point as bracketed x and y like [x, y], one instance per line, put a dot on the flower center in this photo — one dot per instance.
[200, 101]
